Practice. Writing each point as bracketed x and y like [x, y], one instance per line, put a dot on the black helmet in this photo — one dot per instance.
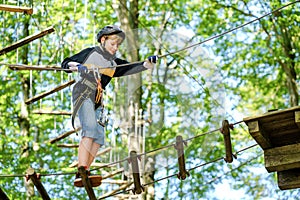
[110, 30]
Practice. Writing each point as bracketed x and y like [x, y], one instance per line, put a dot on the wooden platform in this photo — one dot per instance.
[275, 129]
[278, 134]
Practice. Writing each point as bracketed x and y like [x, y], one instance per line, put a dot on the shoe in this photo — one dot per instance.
[94, 179]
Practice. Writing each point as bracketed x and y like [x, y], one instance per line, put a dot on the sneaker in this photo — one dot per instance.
[94, 179]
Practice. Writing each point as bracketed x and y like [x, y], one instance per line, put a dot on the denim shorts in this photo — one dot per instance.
[88, 120]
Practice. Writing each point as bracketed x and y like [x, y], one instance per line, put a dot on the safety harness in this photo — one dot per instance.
[85, 89]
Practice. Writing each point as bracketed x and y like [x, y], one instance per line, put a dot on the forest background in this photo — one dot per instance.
[242, 73]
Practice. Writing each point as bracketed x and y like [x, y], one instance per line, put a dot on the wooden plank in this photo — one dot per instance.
[297, 118]
[227, 141]
[259, 134]
[44, 94]
[51, 112]
[280, 127]
[109, 175]
[103, 151]
[75, 164]
[68, 145]
[108, 194]
[64, 135]
[11, 8]
[36, 181]
[34, 67]
[289, 179]
[118, 182]
[26, 40]
[282, 158]
[269, 115]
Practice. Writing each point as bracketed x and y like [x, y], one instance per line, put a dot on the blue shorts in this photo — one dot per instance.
[88, 120]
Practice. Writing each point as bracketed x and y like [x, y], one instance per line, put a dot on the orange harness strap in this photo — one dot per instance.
[99, 92]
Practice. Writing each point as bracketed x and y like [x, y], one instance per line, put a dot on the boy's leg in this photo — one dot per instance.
[94, 149]
[84, 151]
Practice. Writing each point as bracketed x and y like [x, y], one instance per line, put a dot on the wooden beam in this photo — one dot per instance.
[51, 112]
[297, 118]
[26, 40]
[36, 181]
[75, 164]
[68, 145]
[289, 179]
[103, 151]
[113, 173]
[108, 194]
[282, 158]
[258, 133]
[44, 94]
[64, 135]
[3, 195]
[34, 67]
[117, 182]
[11, 8]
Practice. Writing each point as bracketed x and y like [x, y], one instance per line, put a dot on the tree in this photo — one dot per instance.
[187, 93]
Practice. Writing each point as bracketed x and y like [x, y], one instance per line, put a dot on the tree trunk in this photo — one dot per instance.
[24, 122]
[128, 17]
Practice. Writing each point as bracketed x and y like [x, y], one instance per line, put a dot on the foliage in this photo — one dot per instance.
[189, 92]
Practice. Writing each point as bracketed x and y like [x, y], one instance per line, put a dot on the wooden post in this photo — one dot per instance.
[44, 94]
[26, 40]
[3, 195]
[227, 141]
[11, 8]
[36, 181]
[138, 188]
[181, 161]
[86, 182]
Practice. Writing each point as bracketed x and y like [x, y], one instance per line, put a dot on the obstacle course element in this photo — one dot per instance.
[26, 40]
[278, 134]
[225, 130]
[183, 173]
[44, 94]
[138, 188]
[32, 175]
[21, 9]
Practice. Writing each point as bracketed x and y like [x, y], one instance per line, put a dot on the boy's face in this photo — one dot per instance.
[111, 44]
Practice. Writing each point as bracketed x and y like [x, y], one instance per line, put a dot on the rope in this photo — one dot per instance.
[193, 168]
[127, 158]
[160, 148]
[229, 31]
[199, 43]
